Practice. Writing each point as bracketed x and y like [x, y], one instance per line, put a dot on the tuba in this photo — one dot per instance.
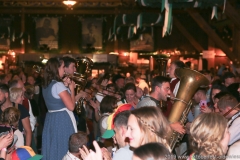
[190, 81]
[84, 66]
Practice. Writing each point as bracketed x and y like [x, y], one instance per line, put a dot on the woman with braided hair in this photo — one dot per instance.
[146, 125]
[9, 121]
[209, 137]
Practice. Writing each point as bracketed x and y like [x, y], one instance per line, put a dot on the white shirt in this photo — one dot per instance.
[70, 156]
[32, 119]
[234, 129]
[176, 87]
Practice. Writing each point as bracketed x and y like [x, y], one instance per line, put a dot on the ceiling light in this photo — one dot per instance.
[69, 3]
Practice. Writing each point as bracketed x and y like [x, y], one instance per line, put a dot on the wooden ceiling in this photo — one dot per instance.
[81, 7]
[59, 4]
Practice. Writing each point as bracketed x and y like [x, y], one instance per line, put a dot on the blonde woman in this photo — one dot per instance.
[209, 136]
[147, 124]
[16, 95]
[9, 121]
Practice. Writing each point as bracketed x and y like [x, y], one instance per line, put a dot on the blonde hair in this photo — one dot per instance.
[153, 124]
[15, 93]
[10, 116]
[206, 133]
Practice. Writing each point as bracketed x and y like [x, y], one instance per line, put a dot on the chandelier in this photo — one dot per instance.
[69, 3]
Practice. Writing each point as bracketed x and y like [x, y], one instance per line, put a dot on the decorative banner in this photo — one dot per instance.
[214, 12]
[5, 24]
[91, 33]
[168, 19]
[47, 33]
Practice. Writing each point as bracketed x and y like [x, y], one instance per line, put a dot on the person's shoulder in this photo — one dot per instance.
[59, 86]
[236, 122]
[22, 108]
[123, 153]
[146, 101]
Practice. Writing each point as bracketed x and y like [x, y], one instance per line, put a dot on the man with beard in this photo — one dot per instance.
[160, 91]
[24, 122]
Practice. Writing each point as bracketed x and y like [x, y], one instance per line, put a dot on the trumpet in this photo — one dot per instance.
[106, 92]
[77, 78]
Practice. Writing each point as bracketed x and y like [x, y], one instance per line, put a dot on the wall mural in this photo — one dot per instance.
[144, 43]
[47, 33]
[92, 33]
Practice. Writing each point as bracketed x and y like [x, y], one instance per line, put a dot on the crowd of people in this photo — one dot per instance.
[118, 117]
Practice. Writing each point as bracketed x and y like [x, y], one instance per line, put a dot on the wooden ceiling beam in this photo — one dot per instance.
[232, 14]
[87, 11]
[211, 33]
[190, 38]
[78, 1]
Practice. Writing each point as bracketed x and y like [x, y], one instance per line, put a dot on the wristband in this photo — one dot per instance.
[4, 149]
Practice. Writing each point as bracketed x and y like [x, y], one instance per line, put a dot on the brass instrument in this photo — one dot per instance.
[102, 94]
[190, 81]
[84, 66]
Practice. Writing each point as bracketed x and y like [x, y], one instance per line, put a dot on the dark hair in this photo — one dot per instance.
[156, 151]
[4, 88]
[51, 71]
[121, 119]
[178, 64]
[112, 85]
[217, 82]
[233, 89]
[76, 141]
[227, 75]
[221, 87]
[157, 81]
[107, 104]
[68, 60]
[220, 95]
[227, 100]
[130, 86]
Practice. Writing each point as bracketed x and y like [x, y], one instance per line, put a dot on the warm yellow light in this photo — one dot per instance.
[69, 3]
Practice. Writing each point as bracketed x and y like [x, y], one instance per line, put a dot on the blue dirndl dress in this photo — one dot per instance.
[58, 127]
